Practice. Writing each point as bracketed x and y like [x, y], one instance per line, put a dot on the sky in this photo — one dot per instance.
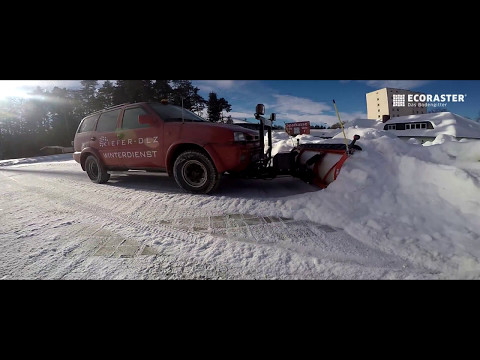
[298, 100]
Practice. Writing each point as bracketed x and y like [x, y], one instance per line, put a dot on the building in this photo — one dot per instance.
[426, 127]
[389, 103]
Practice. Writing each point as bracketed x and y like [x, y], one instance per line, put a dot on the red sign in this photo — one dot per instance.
[298, 128]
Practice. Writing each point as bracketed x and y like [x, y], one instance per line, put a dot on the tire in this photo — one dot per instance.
[195, 172]
[96, 171]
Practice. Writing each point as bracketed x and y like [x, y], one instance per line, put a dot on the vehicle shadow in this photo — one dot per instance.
[152, 182]
[161, 183]
[229, 186]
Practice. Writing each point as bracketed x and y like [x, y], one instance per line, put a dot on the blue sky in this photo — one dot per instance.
[311, 100]
[300, 100]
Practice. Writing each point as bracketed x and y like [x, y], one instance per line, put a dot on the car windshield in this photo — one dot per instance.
[175, 113]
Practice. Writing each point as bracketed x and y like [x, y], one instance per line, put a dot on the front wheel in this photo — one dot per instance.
[195, 172]
[95, 170]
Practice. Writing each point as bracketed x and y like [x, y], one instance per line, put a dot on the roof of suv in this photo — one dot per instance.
[125, 104]
[110, 108]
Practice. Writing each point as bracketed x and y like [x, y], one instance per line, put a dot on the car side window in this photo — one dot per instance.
[88, 124]
[108, 121]
[130, 119]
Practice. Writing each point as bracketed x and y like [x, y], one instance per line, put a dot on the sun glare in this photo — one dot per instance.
[16, 88]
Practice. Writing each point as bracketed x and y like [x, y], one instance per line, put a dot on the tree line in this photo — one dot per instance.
[51, 117]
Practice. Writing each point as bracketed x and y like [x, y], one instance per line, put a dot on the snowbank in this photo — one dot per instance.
[39, 159]
[445, 123]
[420, 202]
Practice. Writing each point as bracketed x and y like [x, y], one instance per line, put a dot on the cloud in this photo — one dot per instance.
[23, 88]
[296, 109]
[289, 103]
[240, 115]
[399, 84]
[218, 85]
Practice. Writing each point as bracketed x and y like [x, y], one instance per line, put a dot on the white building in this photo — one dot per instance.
[386, 103]
[427, 127]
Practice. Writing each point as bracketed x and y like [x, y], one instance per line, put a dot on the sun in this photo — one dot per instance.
[16, 88]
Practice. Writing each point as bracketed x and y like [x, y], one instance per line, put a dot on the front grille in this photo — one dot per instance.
[251, 137]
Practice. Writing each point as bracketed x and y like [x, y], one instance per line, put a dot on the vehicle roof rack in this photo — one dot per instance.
[110, 108]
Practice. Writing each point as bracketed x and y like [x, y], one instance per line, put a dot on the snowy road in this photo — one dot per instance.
[56, 224]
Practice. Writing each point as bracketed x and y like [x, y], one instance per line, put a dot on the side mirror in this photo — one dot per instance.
[260, 109]
[146, 119]
[273, 117]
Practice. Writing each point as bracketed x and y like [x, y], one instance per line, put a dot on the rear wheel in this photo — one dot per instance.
[195, 172]
[96, 171]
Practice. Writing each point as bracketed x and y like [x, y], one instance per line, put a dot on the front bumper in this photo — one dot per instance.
[234, 156]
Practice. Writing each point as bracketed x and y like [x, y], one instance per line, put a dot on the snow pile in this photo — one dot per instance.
[34, 160]
[445, 123]
[419, 202]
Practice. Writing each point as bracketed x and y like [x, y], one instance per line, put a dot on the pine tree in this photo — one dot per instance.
[63, 119]
[88, 96]
[105, 95]
[184, 90]
[161, 90]
[132, 91]
[216, 106]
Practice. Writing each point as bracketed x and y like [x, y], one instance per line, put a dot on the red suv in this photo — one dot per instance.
[163, 137]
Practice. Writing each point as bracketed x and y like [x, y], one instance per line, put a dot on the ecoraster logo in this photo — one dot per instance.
[398, 100]
[428, 100]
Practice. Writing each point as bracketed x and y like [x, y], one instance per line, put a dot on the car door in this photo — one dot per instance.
[105, 139]
[140, 142]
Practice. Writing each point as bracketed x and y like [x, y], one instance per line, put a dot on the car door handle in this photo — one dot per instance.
[93, 138]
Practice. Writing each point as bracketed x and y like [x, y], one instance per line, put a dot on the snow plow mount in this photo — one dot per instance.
[317, 164]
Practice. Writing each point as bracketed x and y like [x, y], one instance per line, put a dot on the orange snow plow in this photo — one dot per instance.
[317, 164]
[323, 161]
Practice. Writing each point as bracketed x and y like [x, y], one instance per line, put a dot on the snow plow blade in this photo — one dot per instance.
[320, 164]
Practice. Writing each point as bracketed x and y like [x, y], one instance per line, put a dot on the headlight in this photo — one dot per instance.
[239, 136]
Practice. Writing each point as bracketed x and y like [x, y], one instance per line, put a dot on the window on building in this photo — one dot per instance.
[407, 126]
[391, 127]
[417, 126]
[424, 126]
[378, 104]
[378, 110]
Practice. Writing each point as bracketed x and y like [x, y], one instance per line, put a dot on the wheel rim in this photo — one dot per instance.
[194, 173]
[93, 170]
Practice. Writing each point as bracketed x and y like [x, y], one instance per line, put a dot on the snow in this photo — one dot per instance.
[399, 210]
[34, 160]
[420, 202]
